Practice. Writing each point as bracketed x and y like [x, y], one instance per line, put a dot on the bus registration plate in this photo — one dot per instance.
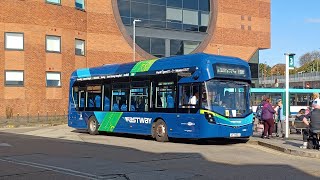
[235, 134]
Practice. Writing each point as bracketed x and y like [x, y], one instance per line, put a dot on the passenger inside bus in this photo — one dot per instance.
[185, 97]
[170, 101]
[159, 101]
[140, 105]
[194, 99]
[227, 100]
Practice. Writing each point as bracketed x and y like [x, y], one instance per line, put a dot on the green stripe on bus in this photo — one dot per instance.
[202, 111]
[110, 121]
[142, 66]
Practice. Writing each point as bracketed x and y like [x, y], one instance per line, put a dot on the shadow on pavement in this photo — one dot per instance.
[213, 141]
[293, 143]
[105, 161]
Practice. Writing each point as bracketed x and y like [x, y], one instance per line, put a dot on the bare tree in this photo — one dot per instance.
[309, 57]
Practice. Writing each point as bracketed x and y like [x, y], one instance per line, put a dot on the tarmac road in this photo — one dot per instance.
[63, 153]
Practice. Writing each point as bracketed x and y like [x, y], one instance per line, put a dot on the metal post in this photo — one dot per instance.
[287, 55]
[134, 38]
[287, 95]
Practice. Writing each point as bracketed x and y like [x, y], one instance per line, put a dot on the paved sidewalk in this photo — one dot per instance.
[289, 146]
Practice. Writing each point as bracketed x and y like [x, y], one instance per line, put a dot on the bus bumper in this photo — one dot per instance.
[221, 131]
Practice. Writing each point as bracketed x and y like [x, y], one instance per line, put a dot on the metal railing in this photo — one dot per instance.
[299, 77]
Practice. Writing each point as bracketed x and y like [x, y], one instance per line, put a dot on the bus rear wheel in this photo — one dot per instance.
[160, 131]
[93, 126]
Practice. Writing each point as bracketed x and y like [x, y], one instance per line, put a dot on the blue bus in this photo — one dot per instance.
[299, 98]
[192, 96]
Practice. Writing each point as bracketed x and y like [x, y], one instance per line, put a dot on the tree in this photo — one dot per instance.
[264, 70]
[310, 66]
[309, 57]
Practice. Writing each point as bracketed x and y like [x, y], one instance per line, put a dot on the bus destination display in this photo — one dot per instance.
[229, 70]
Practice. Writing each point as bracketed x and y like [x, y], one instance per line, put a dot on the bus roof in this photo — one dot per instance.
[192, 62]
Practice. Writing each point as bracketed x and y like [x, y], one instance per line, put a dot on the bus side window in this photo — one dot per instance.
[139, 96]
[120, 95]
[106, 106]
[75, 97]
[165, 95]
[94, 98]
[82, 100]
[106, 98]
[189, 96]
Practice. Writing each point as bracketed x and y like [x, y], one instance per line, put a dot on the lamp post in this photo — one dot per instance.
[134, 38]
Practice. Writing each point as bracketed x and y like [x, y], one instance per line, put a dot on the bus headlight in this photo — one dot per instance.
[209, 117]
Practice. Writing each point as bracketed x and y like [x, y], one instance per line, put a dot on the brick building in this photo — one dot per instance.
[43, 41]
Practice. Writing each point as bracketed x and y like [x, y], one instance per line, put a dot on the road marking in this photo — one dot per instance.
[5, 145]
[53, 168]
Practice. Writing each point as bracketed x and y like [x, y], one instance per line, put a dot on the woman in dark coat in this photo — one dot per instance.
[267, 117]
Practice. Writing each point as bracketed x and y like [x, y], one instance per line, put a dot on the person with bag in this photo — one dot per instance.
[267, 117]
[309, 141]
[260, 125]
[280, 119]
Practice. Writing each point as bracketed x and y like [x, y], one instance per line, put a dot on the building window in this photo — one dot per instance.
[79, 49]
[53, 79]
[14, 78]
[171, 16]
[249, 18]
[53, 44]
[80, 4]
[54, 1]
[249, 28]
[14, 41]
[242, 27]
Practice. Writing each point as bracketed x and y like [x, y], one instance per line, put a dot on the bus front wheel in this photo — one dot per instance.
[93, 126]
[160, 131]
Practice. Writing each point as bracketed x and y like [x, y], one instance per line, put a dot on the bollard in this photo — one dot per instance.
[18, 119]
[55, 116]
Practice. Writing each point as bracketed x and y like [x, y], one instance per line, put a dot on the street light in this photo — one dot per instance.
[134, 38]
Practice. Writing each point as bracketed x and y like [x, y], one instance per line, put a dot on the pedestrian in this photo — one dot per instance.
[267, 117]
[280, 119]
[315, 97]
[313, 125]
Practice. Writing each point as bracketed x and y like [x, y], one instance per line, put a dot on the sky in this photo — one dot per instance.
[295, 28]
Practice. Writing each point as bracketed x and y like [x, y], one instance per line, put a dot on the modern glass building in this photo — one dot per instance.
[167, 27]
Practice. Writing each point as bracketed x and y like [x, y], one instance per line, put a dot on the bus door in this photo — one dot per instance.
[189, 104]
[79, 101]
[74, 104]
